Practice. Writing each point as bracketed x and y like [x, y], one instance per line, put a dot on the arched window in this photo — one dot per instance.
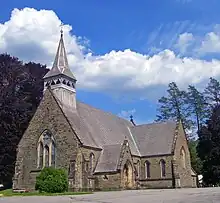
[138, 168]
[46, 150]
[91, 162]
[72, 169]
[147, 169]
[163, 168]
[183, 157]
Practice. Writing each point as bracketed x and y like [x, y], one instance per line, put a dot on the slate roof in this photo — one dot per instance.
[96, 128]
[154, 138]
[109, 158]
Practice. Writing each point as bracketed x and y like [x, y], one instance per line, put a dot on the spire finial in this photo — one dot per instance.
[61, 29]
[132, 120]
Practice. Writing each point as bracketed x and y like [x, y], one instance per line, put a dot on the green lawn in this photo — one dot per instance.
[10, 193]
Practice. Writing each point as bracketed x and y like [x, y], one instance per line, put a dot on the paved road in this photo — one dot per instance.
[200, 195]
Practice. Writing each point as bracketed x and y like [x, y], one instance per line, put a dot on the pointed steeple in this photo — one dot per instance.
[60, 65]
[60, 78]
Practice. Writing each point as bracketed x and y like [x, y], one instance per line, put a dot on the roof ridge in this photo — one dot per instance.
[134, 141]
[155, 123]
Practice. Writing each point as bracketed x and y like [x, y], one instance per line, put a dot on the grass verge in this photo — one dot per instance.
[10, 193]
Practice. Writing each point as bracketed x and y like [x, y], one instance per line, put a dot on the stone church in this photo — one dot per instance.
[99, 150]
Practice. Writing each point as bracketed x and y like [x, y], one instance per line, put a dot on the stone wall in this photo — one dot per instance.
[48, 116]
[89, 181]
[155, 180]
[156, 184]
[184, 172]
[108, 182]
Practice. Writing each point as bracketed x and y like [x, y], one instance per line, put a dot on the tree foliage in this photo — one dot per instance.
[209, 148]
[212, 93]
[21, 89]
[173, 107]
[197, 107]
[195, 160]
[52, 180]
[193, 107]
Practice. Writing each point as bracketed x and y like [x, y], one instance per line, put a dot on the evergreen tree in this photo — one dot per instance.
[212, 93]
[173, 107]
[21, 89]
[197, 107]
[195, 160]
[209, 148]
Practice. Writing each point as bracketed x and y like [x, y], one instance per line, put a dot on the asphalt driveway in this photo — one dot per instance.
[200, 195]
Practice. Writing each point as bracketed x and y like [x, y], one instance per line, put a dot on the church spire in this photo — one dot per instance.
[60, 65]
[60, 78]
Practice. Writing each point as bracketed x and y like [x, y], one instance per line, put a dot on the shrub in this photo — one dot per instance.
[52, 180]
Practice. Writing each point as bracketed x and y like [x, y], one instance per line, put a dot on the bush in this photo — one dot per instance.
[52, 180]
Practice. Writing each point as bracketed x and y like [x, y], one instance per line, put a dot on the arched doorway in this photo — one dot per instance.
[127, 176]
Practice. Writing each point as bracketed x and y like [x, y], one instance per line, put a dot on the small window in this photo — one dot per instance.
[147, 169]
[183, 158]
[163, 168]
[138, 169]
[53, 154]
[72, 169]
[41, 155]
[91, 161]
[47, 158]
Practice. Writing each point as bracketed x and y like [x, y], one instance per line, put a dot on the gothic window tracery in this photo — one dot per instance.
[46, 150]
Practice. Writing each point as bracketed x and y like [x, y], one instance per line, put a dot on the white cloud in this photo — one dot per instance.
[200, 44]
[33, 35]
[184, 41]
[210, 44]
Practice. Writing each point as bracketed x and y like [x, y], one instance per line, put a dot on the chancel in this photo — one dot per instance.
[98, 149]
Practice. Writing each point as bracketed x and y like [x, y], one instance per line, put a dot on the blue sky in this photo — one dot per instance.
[124, 53]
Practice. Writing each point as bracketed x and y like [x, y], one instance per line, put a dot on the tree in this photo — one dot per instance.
[197, 106]
[173, 107]
[195, 160]
[21, 89]
[212, 93]
[209, 148]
